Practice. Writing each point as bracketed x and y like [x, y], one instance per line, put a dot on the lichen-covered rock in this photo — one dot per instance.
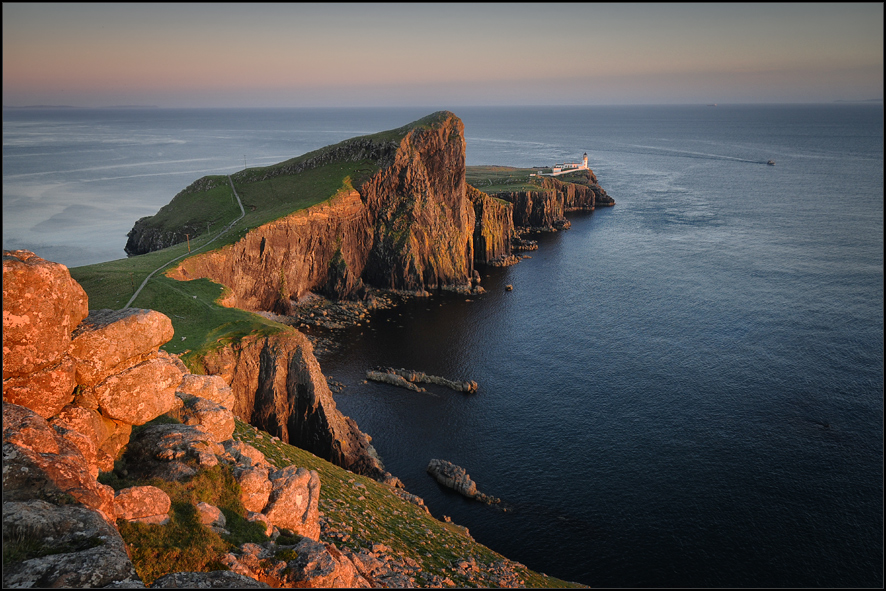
[171, 451]
[45, 391]
[84, 549]
[294, 501]
[108, 341]
[144, 504]
[217, 579]
[42, 305]
[215, 419]
[108, 436]
[213, 388]
[38, 463]
[140, 393]
[255, 487]
[210, 516]
[246, 455]
[322, 566]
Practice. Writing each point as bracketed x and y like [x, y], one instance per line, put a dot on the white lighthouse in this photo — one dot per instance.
[584, 161]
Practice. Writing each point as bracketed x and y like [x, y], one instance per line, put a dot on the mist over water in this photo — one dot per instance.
[682, 390]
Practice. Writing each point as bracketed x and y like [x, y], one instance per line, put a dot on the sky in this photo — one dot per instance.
[340, 55]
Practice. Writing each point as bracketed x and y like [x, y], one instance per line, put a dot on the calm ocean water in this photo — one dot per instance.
[683, 390]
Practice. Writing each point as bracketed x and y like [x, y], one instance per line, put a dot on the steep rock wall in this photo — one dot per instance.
[493, 228]
[423, 221]
[410, 226]
[545, 208]
[279, 388]
[322, 246]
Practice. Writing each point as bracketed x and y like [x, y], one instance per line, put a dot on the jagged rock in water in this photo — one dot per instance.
[406, 378]
[456, 478]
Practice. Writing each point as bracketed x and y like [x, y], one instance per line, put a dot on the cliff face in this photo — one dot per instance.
[279, 388]
[424, 223]
[409, 226]
[316, 247]
[150, 234]
[545, 208]
[493, 228]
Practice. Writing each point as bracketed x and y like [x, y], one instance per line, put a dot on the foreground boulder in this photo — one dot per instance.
[108, 340]
[308, 564]
[143, 504]
[217, 579]
[42, 305]
[38, 463]
[79, 547]
[294, 501]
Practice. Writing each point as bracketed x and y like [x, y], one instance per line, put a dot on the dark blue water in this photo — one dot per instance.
[683, 390]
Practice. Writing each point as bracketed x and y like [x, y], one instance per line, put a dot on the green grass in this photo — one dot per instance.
[500, 179]
[200, 209]
[184, 544]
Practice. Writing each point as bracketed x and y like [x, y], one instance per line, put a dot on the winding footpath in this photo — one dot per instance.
[217, 236]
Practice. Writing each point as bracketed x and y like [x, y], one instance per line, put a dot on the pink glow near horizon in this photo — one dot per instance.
[369, 54]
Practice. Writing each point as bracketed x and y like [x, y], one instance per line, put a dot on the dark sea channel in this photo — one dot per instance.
[684, 390]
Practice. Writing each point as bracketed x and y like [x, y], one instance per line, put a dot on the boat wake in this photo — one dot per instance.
[690, 154]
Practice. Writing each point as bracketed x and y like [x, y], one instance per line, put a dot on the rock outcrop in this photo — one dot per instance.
[42, 305]
[279, 388]
[406, 378]
[545, 209]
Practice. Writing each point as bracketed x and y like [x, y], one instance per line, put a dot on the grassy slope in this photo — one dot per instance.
[368, 510]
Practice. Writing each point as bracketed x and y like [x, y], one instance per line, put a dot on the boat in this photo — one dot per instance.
[771, 163]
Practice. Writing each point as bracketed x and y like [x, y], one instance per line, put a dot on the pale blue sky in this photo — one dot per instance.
[300, 55]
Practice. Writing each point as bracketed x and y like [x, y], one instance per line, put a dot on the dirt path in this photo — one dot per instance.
[217, 236]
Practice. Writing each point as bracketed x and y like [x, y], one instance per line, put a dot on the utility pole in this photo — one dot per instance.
[188, 236]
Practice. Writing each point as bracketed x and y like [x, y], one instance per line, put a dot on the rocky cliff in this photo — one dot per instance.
[280, 389]
[545, 208]
[409, 226]
[493, 227]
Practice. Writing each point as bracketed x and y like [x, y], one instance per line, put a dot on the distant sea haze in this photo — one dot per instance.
[684, 390]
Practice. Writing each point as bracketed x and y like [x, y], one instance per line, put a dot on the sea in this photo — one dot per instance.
[683, 390]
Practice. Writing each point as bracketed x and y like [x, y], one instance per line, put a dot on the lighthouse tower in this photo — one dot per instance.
[584, 160]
